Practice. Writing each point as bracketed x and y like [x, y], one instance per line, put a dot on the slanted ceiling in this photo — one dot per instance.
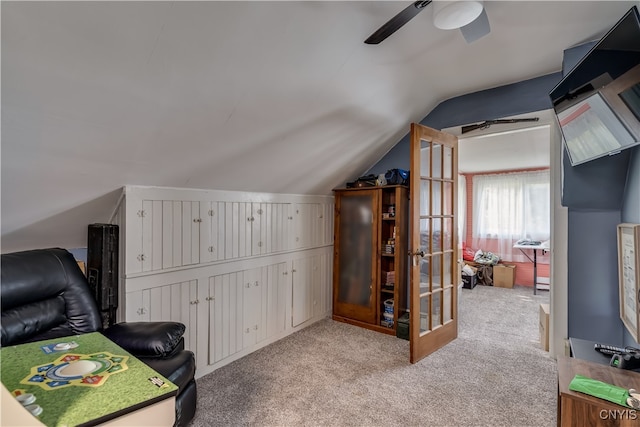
[254, 96]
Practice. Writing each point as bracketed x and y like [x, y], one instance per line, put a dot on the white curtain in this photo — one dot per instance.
[509, 207]
[462, 209]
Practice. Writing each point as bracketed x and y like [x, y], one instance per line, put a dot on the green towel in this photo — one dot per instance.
[600, 389]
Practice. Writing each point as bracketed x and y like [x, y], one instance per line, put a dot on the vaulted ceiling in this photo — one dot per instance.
[252, 96]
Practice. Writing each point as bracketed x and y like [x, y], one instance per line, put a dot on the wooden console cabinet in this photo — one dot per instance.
[578, 409]
[370, 256]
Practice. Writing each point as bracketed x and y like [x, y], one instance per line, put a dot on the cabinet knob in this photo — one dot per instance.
[210, 249]
[259, 211]
[255, 328]
[211, 212]
[141, 214]
[210, 298]
[141, 257]
[248, 285]
[256, 284]
[197, 220]
[247, 330]
[286, 273]
[293, 270]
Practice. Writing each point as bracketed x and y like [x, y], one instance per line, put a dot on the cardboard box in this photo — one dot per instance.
[504, 275]
[544, 326]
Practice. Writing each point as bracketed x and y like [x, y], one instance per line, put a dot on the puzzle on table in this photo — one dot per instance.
[85, 370]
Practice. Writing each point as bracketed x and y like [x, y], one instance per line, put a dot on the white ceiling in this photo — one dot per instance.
[259, 96]
[501, 151]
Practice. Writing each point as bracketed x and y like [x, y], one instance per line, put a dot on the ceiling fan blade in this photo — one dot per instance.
[476, 29]
[397, 21]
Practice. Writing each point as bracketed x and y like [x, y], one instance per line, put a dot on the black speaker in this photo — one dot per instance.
[102, 267]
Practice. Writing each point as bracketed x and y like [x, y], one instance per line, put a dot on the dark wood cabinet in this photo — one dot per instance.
[370, 256]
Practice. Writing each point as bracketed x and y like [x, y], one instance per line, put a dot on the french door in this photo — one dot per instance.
[434, 247]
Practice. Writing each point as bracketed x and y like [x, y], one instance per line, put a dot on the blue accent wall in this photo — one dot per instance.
[510, 100]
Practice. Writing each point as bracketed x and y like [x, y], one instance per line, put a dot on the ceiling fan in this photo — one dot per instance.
[469, 16]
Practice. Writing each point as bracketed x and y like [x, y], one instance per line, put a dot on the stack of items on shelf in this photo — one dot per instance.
[389, 247]
[388, 279]
[387, 316]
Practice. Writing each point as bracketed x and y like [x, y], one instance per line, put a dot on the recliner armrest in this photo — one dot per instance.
[147, 339]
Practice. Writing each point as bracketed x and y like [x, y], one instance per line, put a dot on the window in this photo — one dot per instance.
[509, 207]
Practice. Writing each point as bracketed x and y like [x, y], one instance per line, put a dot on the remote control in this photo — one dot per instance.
[608, 350]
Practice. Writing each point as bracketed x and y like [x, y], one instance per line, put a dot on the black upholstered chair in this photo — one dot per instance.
[44, 295]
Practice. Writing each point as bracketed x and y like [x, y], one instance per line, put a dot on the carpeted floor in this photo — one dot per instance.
[334, 374]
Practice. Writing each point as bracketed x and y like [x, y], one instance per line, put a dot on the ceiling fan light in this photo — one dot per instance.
[449, 15]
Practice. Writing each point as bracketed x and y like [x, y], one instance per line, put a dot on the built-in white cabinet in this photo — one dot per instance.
[175, 302]
[240, 270]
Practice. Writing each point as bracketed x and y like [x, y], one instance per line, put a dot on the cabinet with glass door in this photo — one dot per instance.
[370, 256]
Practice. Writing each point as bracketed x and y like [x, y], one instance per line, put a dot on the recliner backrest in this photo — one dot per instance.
[43, 294]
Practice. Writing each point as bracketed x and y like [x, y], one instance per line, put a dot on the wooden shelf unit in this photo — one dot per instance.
[370, 241]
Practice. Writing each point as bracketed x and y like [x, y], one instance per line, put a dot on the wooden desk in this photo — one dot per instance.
[577, 409]
[94, 382]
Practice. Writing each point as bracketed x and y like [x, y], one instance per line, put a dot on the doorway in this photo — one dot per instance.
[527, 146]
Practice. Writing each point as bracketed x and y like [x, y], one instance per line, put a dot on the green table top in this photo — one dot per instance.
[81, 380]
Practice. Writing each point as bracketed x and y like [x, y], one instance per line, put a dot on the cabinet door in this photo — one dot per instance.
[253, 282]
[258, 228]
[191, 221]
[208, 231]
[321, 282]
[281, 220]
[137, 306]
[275, 298]
[302, 291]
[226, 319]
[356, 254]
[177, 302]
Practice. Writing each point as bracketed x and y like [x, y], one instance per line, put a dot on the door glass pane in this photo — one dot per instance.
[425, 158]
[448, 163]
[447, 269]
[425, 273]
[425, 232]
[448, 304]
[447, 234]
[437, 161]
[436, 270]
[436, 318]
[424, 313]
[356, 235]
[437, 197]
[424, 197]
[447, 208]
[436, 241]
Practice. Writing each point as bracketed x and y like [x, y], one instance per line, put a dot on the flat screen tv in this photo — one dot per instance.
[597, 103]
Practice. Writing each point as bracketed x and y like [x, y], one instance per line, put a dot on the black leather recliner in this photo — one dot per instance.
[44, 295]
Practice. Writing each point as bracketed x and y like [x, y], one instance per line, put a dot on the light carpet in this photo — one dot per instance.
[335, 374]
